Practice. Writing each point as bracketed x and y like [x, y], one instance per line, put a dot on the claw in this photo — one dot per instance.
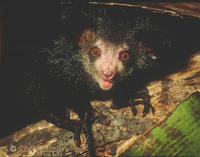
[71, 125]
[144, 95]
[134, 110]
[87, 124]
[77, 132]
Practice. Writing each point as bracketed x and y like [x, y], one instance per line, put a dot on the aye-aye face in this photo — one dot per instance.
[109, 63]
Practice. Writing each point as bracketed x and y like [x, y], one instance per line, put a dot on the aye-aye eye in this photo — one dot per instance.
[124, 56]
[95, 52]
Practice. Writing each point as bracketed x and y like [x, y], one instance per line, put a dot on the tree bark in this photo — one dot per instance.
[45, 139]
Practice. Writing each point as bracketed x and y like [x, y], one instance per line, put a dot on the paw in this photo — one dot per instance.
[141, 97]
[146, 110]
[63, 122]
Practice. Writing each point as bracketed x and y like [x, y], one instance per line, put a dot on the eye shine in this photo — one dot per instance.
[96, 52]
[110, 60]
[124, 56]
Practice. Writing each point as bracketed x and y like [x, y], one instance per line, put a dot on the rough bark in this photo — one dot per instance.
[45, 139]
[175, 8]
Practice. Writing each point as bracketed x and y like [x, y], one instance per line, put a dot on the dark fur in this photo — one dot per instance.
[54, 79]
[62, 61]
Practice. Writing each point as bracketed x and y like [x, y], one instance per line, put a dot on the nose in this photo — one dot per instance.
[108, 72]
[108, 75]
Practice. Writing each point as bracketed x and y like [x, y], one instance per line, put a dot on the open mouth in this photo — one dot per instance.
[107, 81]
[107, 84]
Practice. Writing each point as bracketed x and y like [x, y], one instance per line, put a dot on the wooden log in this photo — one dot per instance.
[167, 93]
[43, 138]
[112, 138]
[174, 8]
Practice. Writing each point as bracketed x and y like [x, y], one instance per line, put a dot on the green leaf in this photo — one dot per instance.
[179, 135]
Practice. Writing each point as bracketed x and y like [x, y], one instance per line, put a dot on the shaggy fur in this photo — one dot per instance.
[63, 74]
